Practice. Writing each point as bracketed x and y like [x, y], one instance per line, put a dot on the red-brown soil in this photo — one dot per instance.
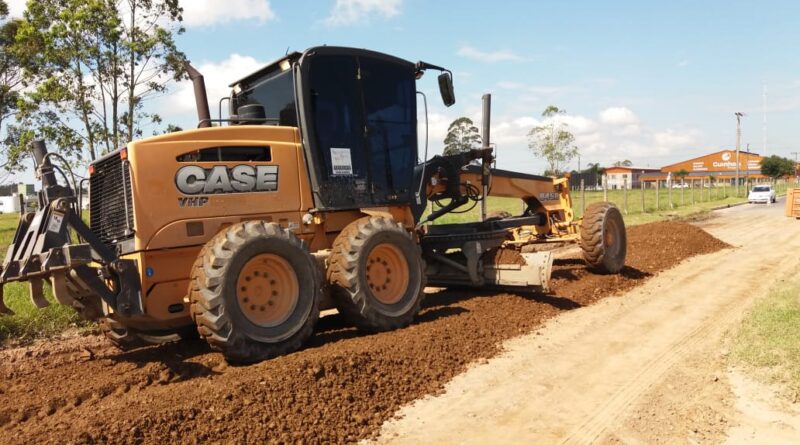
[507, 256]
[341, 388]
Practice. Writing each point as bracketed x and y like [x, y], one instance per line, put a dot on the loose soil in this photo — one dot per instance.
[341, 388]
[507, 256]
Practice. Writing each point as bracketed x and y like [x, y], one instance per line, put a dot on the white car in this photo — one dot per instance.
[762, 193]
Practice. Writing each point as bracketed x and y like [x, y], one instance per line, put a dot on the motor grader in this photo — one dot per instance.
[311, 194]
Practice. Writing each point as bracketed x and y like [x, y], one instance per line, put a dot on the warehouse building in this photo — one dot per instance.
[718, 167]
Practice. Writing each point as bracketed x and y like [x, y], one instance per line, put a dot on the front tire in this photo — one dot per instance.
[603, 239]
[376, 274]
[255, 292]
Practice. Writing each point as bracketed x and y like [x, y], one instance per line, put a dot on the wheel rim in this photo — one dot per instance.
[387, 273]
[267, 290]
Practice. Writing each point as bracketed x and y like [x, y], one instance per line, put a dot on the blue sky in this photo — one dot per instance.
[653, 82]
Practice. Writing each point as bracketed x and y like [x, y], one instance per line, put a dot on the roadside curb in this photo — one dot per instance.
[727, 206]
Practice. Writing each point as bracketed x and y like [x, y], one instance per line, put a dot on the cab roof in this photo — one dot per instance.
[293, 57]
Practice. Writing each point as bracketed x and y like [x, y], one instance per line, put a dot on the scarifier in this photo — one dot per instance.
[309, 195]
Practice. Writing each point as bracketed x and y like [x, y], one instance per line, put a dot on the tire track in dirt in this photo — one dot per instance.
[604, 415]
[341, 388]
[579, 374]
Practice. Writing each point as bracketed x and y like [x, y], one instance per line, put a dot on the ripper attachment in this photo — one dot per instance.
[54, 245]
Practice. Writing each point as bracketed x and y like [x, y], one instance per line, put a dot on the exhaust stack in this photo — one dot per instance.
[485, 166]
[200, 97]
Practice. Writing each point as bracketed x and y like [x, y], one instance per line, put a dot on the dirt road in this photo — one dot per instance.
[577, 379]
[341, 388]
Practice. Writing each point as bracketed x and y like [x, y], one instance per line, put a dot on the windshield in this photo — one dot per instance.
[761, 188]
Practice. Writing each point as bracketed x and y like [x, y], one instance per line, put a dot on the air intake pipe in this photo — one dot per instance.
[200, 97]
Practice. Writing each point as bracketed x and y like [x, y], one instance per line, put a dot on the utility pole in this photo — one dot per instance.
[747, 166]
[795, 153]
[739, 116]
[764, 124]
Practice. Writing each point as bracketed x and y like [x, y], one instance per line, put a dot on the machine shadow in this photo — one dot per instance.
[174, 356]
[452, 296]
[330, 329]
[575, 269]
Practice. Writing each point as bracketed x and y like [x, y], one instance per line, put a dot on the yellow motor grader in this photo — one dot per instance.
[310, 195]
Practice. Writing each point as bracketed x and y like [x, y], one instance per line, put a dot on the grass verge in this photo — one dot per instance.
[768, 341]
[29, 322]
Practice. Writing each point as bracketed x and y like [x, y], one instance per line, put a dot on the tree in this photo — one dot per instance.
[462, 135]
[777, 167]
[10, 72]
[682, 174]
[625, 163]
[552, 141]
[595, 167]
[90, 66]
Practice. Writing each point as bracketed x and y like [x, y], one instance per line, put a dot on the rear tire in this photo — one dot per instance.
[255, 292]
[603, 238]
[376, 274]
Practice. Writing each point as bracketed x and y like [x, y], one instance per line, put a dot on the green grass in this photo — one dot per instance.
[29, 322]
[682, 206]
[769, 338]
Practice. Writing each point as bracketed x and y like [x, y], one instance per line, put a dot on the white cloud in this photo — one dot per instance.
[622, 119]
[507, 132]
[488, 56]
[618, 116]
[671, 139]
[350, 12]
[533, 93]
[526, 121]
[598, 139]
[437, 131]
[212, 12]
[683, 63]
[217, 76]
[578, 125]
[16, 7]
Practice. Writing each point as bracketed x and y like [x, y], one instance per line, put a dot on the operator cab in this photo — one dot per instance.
[357, 113]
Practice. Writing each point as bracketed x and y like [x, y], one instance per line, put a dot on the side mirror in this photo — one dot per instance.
[446, 88]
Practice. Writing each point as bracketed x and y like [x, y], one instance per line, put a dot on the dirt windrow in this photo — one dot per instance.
[340, 388]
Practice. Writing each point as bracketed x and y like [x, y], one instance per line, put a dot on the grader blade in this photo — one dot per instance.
[532, 272]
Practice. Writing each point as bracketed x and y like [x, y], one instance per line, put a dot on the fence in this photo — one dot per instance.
[589, 180]
[660, 197]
